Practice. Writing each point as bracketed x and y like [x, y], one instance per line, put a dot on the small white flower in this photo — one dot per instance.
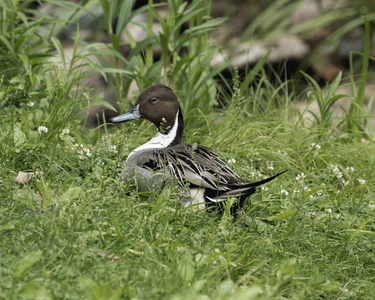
[113, 148]
[345, 182]
[270, 166]
[335, 170]
[371, 205]
[264, 188]
[30, 104]
[282, 152]
[361, 181]
[42, 129]
[65, 131]
[311, 197]
[328, 210]
[231, 161]
[307, 189]
[315, 146]
[284, 193]
[350, 169]
[300, 177]
[82, 151]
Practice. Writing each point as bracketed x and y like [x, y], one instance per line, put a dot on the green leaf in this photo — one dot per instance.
[105, 7]
[283, 216]
[186, 268]
[34, 290]
[95, 291]
[18, 136]
[6, 227]
[59, 50]
[123, 16]
[254, 71]
[117, 227]
[328, 286]
[209, 24]
[26, 263]
[115, 42]
[7, 44]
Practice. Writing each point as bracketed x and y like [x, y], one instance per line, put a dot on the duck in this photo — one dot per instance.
[201, 176]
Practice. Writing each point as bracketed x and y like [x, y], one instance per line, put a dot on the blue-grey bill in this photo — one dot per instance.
[132, 114]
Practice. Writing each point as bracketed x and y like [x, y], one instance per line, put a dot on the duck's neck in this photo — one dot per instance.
[165, 138]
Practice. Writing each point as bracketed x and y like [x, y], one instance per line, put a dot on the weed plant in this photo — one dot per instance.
[74, 231]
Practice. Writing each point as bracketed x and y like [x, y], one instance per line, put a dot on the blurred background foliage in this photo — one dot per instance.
[85, 61]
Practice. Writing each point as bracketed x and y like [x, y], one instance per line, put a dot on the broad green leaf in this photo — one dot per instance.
[331, 285]
[26, 263]
[34, 290]
[186, 268]
[6, 227]
[18, 136]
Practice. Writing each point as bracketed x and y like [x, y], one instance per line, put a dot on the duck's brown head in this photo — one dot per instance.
[158, 104]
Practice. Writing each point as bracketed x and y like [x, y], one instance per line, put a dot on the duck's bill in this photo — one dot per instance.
[132, 114]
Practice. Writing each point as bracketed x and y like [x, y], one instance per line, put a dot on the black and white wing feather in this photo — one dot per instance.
[198, 166]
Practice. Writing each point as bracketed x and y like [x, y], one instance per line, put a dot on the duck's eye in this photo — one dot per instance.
[154, 100]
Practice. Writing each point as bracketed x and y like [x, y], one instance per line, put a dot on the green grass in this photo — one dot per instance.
[309, 234]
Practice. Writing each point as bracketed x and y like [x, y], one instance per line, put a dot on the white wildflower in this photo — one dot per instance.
[361, 181]
[311, 197]
[284, 192]
[231, 161]
[30, 104]
[270, 166]
[113, 148]
[315, 146]
[264, 188]
[335, 170]
[307, 189]
[65, 131]
[82, 151]
[345, 182]
[282, 152]
[350, 169]
[328, 210]
[300, 177]
[371, 205]
[42, 129]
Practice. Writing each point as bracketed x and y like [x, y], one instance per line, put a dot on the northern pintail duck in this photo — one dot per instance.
[202, 175]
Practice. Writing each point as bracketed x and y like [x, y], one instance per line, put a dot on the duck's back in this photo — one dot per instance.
[196, 165]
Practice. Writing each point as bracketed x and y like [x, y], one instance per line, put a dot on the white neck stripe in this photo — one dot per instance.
[160, 140]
